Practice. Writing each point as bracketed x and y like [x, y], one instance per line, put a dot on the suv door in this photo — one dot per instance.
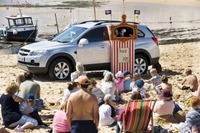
[97, 51]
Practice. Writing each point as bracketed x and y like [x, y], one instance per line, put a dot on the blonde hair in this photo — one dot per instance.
[153, 71]
[64, 106]
[79, 68]
[109, 77]
[12, 88]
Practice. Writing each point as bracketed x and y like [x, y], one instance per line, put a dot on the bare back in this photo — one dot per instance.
[83, 105]
[192, 82]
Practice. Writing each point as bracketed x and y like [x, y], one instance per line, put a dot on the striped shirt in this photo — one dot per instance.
[192, 119]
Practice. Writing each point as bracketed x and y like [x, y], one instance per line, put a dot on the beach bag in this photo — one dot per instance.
[25, 109]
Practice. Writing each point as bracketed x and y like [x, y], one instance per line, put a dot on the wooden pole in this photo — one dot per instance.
[57, 23]
[94, 9]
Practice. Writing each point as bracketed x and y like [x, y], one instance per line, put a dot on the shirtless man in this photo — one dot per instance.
[82, 109]
[191, 79]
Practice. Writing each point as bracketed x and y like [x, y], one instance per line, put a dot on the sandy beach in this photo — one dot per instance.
[176, 54]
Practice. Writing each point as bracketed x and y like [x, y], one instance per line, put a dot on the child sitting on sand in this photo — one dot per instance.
[60, 123]
[119, 81]
[136, 76]
[27, 108]
[192, 124]
[139, 88]
[191, 79]
[127, 81]
[164, 85]
[155, 78]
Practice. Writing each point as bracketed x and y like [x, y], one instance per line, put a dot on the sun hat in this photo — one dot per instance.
[166, 93]
[119, 74]
[30, 96]
[107, 97]
[126, 73]
[139, 83]
[83, 80]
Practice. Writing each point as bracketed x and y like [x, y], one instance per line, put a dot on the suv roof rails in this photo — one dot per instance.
[99, 22]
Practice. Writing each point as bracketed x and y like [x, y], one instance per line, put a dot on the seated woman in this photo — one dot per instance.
[166, 105]
[60, 123]
[107, 112]
[108, 86]
[96, 91]
[71, 87]
[11, 114]
[135, 96]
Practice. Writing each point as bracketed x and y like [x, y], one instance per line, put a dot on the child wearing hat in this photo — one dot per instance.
[34, 111]
[139, 88]
[107, 112]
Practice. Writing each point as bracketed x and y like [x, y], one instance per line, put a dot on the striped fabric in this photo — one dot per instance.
[116, 63]
[138, 115]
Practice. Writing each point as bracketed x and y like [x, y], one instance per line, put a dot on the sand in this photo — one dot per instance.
[174, 58]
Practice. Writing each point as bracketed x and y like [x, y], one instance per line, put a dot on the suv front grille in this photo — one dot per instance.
[24, 52]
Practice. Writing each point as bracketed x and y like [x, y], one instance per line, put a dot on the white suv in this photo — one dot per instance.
[86, 42]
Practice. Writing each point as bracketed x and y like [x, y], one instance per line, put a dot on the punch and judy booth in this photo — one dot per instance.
[122, 38]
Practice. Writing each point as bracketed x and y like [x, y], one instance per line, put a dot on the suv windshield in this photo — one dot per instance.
[70, 34]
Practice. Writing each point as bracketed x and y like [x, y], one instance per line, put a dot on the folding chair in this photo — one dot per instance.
[137, 116]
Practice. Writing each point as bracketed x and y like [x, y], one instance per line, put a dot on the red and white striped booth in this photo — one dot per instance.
[122, 40]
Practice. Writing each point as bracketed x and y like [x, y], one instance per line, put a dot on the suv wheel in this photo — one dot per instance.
[141, 64]
[60, 69]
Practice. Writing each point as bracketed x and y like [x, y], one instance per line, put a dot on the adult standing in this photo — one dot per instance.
[82, 109]
[30, 87]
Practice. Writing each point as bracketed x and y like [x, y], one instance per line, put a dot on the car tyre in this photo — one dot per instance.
[141, 64]
[60, 69]
[158, 67]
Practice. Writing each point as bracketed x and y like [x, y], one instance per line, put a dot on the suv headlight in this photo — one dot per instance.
[38, 53]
